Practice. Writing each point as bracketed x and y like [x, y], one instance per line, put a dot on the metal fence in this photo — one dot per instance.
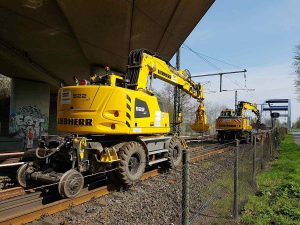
[215, 190]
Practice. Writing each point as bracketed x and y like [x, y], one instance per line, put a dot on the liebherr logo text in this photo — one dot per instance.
[79, 95]
[75, 121]
[164, 74]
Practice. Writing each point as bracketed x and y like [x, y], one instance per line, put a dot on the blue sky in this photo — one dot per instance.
[259, 36]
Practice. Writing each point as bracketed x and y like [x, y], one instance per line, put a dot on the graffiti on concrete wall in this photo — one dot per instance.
[28, 122]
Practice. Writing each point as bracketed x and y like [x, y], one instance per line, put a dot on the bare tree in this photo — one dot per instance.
[166, 95]
[297, 123]
[213, 111]
[297, 70]
[189, 108]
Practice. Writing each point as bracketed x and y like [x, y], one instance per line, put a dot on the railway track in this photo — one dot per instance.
[18, 206]
[9, 182]
[29, 207]
[17, 191]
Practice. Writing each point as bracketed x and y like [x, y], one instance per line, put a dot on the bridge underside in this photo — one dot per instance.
[45, 42]
[51, 41]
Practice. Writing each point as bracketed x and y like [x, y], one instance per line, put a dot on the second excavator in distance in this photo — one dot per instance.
[112, 123]
[234, 124]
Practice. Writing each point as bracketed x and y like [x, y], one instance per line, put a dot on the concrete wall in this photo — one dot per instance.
[29, 109]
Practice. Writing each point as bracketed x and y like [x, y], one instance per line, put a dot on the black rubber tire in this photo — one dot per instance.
[174, 154]
[132, 163]
[70, 184]
[221, 137]
[21, 175]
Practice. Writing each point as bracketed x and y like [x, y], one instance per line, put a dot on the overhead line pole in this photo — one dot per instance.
[218, 74]
[177, 100]
[221, 75]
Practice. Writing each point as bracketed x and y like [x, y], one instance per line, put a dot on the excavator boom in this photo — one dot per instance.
[144, 65]
[242, 106]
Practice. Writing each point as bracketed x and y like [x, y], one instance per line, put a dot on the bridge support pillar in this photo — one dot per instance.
[29, 110]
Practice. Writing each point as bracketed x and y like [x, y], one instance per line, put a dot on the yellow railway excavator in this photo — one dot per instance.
[111, 123]
[233, 124]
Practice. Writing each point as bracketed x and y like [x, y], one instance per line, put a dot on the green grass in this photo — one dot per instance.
[224, 206]
[278, 199]
[221, 207]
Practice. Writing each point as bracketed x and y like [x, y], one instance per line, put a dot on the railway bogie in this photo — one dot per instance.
[67, 160]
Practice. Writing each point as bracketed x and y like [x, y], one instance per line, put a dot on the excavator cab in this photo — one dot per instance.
[227, 113]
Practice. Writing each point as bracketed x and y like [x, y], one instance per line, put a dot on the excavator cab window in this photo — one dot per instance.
[100, 79]
[119, 82]
[225, 113]
[141, 109]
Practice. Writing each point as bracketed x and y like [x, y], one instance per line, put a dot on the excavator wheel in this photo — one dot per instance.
[247, 138]
[132, 163]
[70, 184]
[221, 138]
[174, 154]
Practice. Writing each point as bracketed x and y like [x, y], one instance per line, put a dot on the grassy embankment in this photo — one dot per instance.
[278, 199]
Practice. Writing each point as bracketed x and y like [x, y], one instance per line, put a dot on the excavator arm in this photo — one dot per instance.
[242, 106]
[145, 66]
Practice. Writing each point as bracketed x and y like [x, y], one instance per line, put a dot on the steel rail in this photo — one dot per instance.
[210, 153]
[7, 154]
[21, 212]
[12, 192]
[31, 206]
[11, 164]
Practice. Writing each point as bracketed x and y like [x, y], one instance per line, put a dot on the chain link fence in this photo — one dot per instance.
[205, 190]
[216, 189]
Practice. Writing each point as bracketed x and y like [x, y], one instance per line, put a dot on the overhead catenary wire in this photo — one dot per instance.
[240, 86]
[202, 58]
[201, 55]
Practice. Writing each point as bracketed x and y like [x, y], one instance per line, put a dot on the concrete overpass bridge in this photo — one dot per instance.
[44, 43]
